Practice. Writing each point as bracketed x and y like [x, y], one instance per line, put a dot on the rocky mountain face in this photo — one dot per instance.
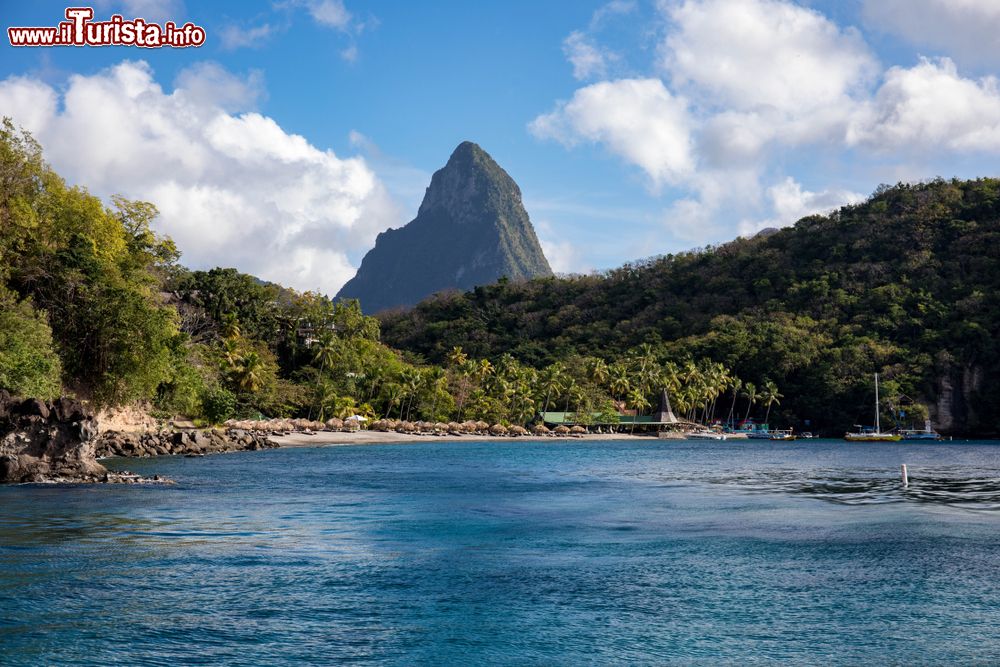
[47, 441]
[471, 230]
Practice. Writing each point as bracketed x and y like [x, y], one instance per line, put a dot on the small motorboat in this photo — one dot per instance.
[705, 435]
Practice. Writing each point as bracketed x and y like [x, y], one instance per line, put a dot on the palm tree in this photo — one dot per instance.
[249, 373]
[411, 381]
[393, 397]
[325, 351]
[735, 385]
[750, 393]
[620, 383]
[639, 403]
[770, 396]
[597, 369]
[457, 357]
[438, 383]
[551, 380]
[484, 369]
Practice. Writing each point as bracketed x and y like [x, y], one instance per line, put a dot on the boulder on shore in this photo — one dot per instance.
[42, 441]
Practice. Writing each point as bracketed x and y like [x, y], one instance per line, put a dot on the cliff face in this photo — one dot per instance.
[47, 441]
[471, 229]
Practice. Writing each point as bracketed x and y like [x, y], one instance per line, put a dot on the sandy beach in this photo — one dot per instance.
[330, 439]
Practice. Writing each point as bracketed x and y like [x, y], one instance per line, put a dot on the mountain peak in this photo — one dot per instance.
[470, 230]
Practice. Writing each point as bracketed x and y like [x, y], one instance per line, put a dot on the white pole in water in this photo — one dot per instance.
[878, 423]
[902, 471]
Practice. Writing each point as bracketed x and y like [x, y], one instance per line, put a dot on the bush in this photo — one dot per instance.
[218, 405]
[28, 364]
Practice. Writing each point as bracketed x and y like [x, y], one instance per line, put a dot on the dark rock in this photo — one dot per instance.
[187, 443]
[42, 441]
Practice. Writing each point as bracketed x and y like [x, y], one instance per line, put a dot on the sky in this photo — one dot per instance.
[301, 129]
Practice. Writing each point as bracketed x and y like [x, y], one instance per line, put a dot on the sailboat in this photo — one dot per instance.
[866, 434]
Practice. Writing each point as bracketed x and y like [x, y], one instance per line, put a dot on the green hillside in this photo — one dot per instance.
[906, 283]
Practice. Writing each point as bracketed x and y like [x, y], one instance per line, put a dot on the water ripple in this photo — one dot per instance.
[873, 487]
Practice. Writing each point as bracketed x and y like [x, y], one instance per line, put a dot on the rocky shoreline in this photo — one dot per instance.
[174, 443]
[47, 441]
[58, 442]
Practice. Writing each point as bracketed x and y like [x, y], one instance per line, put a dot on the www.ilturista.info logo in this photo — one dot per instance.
[80, 30]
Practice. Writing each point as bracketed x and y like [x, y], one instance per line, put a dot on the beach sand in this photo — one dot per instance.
[331, 439]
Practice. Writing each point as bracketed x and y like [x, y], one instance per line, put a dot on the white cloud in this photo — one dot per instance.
[750, 86]
[233, 190]
[753, 54]
[331, 13]
[967, 30]
[588, 60]
[637, 119]
[235, 37]
[564, 256]
[609, 9]
[790, 203]
[930, 107]
[350, 54]
[210, 84]
[29, 101]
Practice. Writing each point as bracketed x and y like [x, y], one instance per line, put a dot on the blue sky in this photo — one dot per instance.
[302, 128]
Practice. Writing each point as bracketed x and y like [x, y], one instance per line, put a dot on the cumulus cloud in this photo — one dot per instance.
[563, 255]
[790, 203]
[930, 107]
[967, 30]
[637, 119]
[746, 87]
[233, 187]
[210, 84]
[752, 54]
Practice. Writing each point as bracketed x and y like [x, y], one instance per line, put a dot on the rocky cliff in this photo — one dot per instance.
[471, 229]
[45, 441]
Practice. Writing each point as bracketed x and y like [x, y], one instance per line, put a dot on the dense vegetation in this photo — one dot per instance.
[906, 283]
[788, 326]
[92, 302]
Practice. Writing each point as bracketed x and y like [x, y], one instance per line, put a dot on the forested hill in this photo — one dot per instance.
[907, 283]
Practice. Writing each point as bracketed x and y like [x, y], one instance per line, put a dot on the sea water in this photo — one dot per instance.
[514, 552]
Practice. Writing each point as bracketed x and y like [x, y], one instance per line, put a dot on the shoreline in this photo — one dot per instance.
[342, 439]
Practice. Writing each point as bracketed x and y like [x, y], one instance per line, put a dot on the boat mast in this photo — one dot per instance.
[878, 424]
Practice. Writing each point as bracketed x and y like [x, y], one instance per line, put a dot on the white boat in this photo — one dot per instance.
[864, 434]
[705, 435]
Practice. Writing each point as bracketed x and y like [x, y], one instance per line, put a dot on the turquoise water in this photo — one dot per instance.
[508, 552]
